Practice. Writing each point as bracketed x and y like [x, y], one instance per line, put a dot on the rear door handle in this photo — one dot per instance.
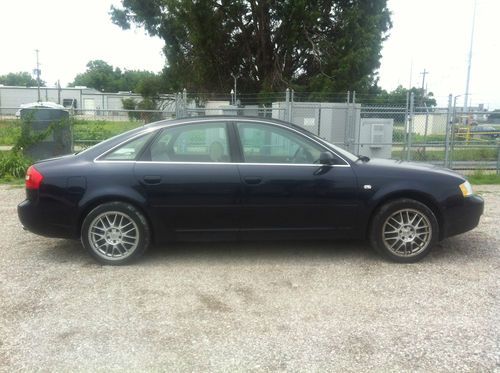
[152, 179]
[253, 180]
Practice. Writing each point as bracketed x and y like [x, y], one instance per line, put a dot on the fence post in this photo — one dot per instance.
[498, 160]
[410, 125]
[287, 104]
[447, 139]
[347, 120]
[184, 102]
[354, 127]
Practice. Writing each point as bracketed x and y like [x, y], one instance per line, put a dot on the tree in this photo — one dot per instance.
[22, 79]
[311, 45]
[397, 97]
[104, 77]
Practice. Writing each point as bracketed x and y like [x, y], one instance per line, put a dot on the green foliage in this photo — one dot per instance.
[397, 97]
[13, 165]
[104, 77]
[494, 116]
[462, 154]
[314, 45]
[146, 104]
[10, 129]
[480, 177]
[93, 131]
[23, 79]
[28, 137]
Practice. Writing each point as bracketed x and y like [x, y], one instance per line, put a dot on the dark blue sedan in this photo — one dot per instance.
[219, 178]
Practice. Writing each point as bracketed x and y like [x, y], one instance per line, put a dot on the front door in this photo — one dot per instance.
[285, 190]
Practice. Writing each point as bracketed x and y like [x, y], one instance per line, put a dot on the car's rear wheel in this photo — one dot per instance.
[115, 233]
[404, 230]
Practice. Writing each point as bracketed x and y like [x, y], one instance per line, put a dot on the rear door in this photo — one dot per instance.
[286, 190]
[191, 185]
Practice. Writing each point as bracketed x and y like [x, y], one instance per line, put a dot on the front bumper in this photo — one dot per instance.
[463, 217]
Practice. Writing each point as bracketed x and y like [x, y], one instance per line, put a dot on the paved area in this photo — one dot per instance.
[286, 306]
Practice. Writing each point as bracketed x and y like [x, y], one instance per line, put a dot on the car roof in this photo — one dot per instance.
[226, 118]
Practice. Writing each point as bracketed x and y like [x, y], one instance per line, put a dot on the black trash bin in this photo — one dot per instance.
[59, 139]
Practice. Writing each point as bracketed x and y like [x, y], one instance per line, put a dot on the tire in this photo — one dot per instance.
[115, 233]
[404, 230]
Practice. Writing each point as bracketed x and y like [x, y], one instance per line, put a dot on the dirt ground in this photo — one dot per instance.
[282, 306]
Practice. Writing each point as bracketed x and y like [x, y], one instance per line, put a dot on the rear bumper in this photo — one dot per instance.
[32, 217]
[463, 217]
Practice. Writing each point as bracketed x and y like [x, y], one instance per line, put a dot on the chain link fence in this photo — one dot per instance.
[410, 131]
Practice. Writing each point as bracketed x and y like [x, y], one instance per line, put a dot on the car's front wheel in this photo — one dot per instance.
[115, 233]
[404, 230]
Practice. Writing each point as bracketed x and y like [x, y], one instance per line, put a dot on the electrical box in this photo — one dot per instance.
[375, 137]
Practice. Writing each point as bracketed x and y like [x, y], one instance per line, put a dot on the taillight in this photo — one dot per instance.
[33, 178]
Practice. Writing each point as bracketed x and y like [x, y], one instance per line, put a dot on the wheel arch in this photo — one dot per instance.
[99, 200]
[419, 196]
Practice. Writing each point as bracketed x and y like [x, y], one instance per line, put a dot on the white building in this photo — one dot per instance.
[84, 100]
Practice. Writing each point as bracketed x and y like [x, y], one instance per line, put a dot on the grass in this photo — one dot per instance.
[10, 129]
[98, 130]
[463, 154]
[480, 178]
[84, 131]
[14, 182]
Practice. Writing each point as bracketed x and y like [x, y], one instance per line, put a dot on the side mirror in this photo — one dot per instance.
[326, 158]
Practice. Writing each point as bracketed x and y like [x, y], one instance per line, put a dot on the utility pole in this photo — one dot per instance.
[466, 95]
[423, 73]
[37, 73]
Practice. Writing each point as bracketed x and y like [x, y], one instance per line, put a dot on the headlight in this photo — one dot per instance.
[466, 189]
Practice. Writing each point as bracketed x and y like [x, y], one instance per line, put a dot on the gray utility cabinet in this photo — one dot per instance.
[375, 137]
[58, 142]
[337, 123]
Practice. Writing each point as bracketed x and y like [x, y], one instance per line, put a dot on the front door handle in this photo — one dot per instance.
[253, 180]
[152, 179]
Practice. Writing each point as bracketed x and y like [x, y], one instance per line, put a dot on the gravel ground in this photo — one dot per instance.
[288, 306]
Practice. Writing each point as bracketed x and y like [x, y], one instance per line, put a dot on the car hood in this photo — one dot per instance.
[405, 166]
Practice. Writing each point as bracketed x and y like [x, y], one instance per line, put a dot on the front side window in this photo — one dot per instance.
[128, 151]
[192, 143]
[269, 144]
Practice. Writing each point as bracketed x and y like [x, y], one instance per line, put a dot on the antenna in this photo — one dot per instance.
[466, 96]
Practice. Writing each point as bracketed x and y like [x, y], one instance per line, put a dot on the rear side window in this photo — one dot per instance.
[192, 143]
[128, 151]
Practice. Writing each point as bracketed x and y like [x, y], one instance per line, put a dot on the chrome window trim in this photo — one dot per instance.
[228, 163]
[226, 120]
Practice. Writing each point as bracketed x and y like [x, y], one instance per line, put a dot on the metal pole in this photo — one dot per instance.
[235, 77]
[447, 140]
[347, 120]
[37, 72]
[288, 107]
[466, 98]
[184, 101]
[357, 129]
[498, 160]
[410, 125]
[423, 73]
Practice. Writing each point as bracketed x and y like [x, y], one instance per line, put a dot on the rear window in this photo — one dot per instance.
[128, 151]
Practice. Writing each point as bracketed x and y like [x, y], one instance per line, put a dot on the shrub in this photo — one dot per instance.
[13, 165]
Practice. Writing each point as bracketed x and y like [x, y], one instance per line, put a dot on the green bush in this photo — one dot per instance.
[10, 130]
[13, 165]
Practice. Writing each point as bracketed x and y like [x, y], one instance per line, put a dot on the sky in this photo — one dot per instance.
[427, 34]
